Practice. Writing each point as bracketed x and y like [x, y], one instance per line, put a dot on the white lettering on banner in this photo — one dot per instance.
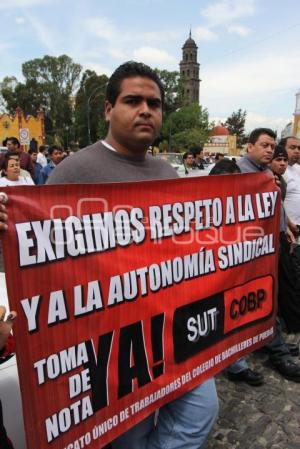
[61, 363]
[239, 253]
[62, 421]
[55, 239]
[162, 275]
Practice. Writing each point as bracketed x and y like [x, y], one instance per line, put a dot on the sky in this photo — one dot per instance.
[248, 50]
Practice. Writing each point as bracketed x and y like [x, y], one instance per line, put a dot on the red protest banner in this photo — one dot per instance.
[129, 295]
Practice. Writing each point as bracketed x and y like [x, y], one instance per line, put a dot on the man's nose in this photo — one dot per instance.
[144, 108]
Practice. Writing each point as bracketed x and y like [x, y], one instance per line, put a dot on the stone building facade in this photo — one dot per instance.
[189, 71]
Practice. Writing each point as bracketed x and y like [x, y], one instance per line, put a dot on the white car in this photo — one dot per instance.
[176, 160]
[10, 389]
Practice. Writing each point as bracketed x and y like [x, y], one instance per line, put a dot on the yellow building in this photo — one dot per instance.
[29, 129]
[221, 142]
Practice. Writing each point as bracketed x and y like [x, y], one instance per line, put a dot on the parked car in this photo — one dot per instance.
[176, 160]
[10, 389]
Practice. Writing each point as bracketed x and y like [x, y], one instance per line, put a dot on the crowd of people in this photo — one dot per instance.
[34, 167]
[133, 109]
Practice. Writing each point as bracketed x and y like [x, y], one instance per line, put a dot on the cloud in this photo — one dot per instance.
[205, 34]
[256, 120]
[98, 68]
[227, 11]
[153, 37]
[11, 4]
[255, 76]
[238, 29]
[257, 84]
[45, 34]
[101, 27]
[20, 20]
[153, 56]
[4, 46]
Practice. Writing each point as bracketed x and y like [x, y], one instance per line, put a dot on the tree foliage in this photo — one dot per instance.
[173, 90]
[74, 103]
[49, 84]
[236, 125]
[89, 108]
[186, 127]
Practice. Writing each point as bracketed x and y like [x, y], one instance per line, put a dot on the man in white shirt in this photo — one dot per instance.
[292, 207]
[292, 178]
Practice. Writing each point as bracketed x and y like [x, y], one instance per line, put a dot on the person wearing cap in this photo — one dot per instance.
[279, 165]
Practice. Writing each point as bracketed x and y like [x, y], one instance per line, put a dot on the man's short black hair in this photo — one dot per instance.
[218, 155]
[32, 151]
[128, 70]
[257, 132]
[186, 154]
[196, 149]
[13, 140]
[225, 167]
[53, 148]
[284, 140]
[42, 148]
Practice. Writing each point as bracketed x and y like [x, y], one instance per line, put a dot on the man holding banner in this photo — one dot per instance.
[131, 294]
[133, 108]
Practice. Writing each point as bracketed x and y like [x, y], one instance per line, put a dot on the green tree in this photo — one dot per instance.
[89, 108]
[49, 84]
[186, 127]
[236, 125]
[173, 90]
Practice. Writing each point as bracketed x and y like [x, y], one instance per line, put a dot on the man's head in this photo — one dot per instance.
[280, 160]
[261, 145]
[55, 153]
[13, 144]
[225, 167]
[133, 108]
[42, 149]
[292, 146]
[197, 152]
[219, 157]
[188, 158]
[33, 154]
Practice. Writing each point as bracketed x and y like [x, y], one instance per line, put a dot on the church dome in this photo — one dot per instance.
[190, 43]
[220, 130]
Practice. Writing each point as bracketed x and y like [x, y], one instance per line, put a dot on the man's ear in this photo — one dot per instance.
[107, 110]
[249, 147]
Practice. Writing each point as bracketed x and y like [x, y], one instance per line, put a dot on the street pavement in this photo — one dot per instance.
[264, 417]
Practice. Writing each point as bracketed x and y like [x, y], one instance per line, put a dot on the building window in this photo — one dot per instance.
[188, 73]
[186, 57]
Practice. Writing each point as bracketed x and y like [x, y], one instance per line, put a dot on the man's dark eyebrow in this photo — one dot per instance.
[140, 97]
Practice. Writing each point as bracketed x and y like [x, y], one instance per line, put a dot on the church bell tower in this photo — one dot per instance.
[189, 71]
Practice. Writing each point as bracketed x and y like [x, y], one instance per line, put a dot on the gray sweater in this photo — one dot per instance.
[97, 164]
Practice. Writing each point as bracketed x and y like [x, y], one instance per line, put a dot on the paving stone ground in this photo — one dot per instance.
[264, 417]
